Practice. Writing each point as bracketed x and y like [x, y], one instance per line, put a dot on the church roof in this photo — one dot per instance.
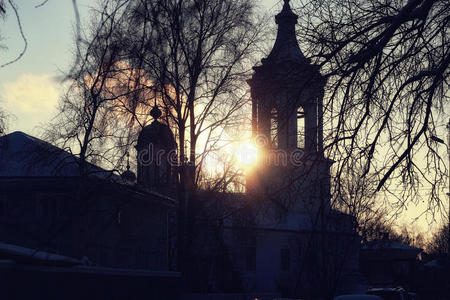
[157, 134]
[386, 244]
[286, 48]
[22, 155]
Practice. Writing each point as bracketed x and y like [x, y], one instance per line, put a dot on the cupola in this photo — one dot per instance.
[156, 155]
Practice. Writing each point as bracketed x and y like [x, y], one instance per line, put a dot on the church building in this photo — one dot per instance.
[289, 240]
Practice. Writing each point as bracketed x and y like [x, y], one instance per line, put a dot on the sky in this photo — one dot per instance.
[30, 87]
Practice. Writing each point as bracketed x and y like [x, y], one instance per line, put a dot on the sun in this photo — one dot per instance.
[245, 154]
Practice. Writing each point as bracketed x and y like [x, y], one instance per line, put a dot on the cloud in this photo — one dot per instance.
[32, 98]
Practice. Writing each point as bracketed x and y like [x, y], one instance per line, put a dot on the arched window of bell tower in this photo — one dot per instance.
[300, 127]
[274, 127]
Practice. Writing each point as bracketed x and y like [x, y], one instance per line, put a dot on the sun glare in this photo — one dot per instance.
[245, 154]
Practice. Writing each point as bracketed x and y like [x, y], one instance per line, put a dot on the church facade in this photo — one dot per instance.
[290, 241]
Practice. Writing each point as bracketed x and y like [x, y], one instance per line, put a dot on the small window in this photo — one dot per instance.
[251, 258]
[401, 268]
[49, 205]
[284, 260]
[274, 127]
[300, 128]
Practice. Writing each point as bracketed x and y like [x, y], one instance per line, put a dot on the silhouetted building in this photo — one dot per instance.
[157, 156]
[287, 120]
[30, 273]
[45, 204]
[388, 263]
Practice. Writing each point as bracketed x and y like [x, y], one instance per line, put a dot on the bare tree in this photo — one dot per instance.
[2, 7]
[2, 11]
[356, 195]
[438, 245]
[199, 74]
[191, 58]
[387, 64]
[13, 7]
[3, 122]
[196, 53]
[95, 116]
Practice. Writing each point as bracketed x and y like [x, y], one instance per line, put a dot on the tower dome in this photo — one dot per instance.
[156, 133]
[156, 155]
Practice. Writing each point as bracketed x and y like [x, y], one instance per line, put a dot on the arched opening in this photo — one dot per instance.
[274, 127]
[300, 128]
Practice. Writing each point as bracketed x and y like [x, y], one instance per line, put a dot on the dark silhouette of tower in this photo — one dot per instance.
[287, 122]
[156, 156]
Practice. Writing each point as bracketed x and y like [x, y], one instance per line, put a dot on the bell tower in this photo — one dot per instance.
[287, 122]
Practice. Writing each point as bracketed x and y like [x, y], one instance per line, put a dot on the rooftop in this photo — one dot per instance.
[22, 155]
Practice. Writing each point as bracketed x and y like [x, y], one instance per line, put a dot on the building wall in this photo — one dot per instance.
[21, 282]
[102, 221]
[299, 263]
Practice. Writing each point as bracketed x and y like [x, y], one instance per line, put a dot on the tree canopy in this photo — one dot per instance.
[387, 65]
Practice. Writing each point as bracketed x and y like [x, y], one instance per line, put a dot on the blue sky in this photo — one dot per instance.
[29, 88]
[48, 30]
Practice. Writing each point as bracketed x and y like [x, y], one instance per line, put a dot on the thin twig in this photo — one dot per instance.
[42, 4]
[21, 33]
